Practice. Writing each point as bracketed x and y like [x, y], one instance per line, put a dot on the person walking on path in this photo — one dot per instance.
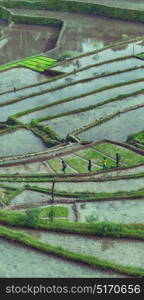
[104, 163]
[117, 160]
[89, 165]
[63, 166]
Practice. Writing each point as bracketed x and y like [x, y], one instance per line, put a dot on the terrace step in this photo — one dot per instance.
[49, 168]
[82, 158]
[72, 168]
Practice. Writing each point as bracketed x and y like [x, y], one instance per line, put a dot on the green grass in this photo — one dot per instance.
[59, 211]
[37, 63]
[128, 157]
[80, 164]
[8, 193]
[19, 219]
[56, 164]
[77, 163]
[96, 157]
[137, 138]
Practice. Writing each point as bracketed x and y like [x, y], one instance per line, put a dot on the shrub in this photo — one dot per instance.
[51, 214]
[91, 218]
[32, 216]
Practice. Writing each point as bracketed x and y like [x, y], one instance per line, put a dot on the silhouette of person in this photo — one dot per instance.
[89, 165]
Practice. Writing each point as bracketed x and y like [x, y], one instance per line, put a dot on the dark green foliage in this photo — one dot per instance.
[49, 136]
[136, 138]
[32, 219]
[51, 214]
[32, 216]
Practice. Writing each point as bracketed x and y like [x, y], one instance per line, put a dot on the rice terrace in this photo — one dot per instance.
[72, 138]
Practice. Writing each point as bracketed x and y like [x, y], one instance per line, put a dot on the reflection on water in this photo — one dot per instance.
[91, 45]
[84, 33]
[20, 142]
[21, 40]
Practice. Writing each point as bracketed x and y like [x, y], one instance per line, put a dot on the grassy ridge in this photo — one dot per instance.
[97, 196]
[32, 242]
[107, 229]
[137, 138]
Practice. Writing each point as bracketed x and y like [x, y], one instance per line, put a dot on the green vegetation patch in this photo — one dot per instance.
[96, 157]
[56, 165]
[59, 211]
[8, 193]
[137, 138]
[141, 55]
[79, 160]
[36, 63]
[77, 163]
[20, 219]
[127, 157]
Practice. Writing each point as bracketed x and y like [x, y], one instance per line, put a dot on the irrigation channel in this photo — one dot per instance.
[87, 106]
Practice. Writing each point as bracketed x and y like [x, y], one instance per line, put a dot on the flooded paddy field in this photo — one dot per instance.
[113, 52]
[121, 211]
[19, 142]
[18, 261]
[26, 168]
[76, 91]
[118, 211]
[118, 128]
[84, 32]
[80, 34]
[30, 197]
[96, 83]
[18, 78]
[120, 251]
[30, 40]
[67, 124]
[80, 103]
[109, 67]
[72, 91]
[54, 83]
[99, 187]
